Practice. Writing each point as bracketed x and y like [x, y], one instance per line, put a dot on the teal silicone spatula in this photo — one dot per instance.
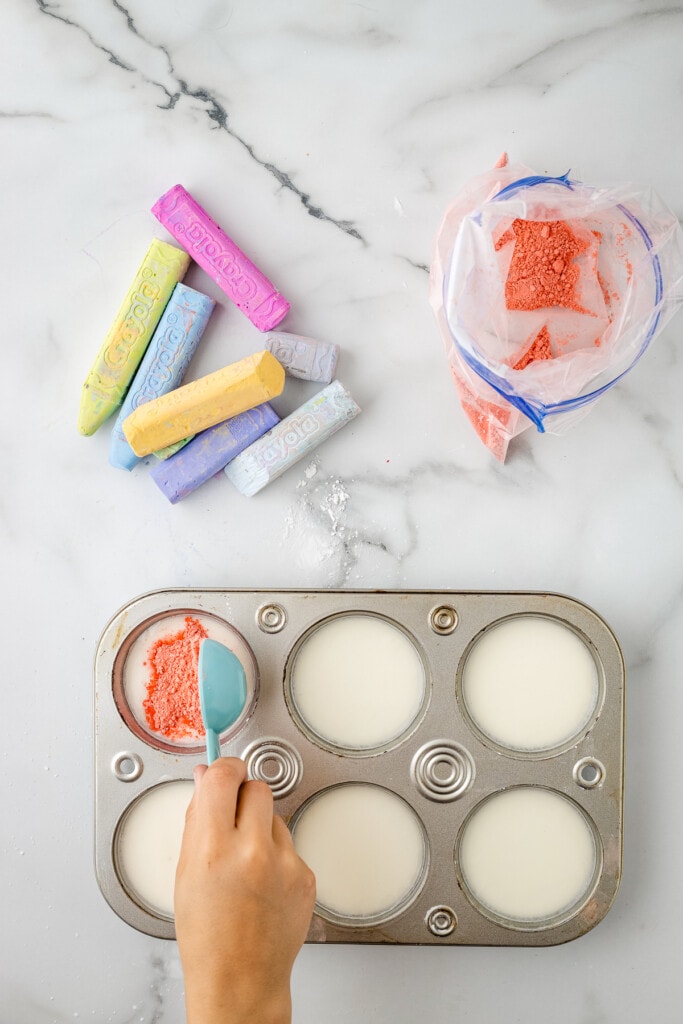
[222, 692]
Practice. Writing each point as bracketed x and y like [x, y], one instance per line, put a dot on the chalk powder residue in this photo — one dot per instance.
[542, 275]
[315, 527]
[542, 271]
[172, 704]
[540, 349]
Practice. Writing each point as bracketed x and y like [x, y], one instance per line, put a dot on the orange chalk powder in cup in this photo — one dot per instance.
[172, 704]
[542, 272]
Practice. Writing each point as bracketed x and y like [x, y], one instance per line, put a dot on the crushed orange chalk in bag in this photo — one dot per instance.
[172, 704]
[542, 272]
[491, 421]
[539, 349]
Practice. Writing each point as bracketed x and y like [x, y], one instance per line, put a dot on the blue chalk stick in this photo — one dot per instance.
[165, 362]
[209, 452]
[292, 439]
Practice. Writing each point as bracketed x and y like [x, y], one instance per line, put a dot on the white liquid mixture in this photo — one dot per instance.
[530, 683]
[528, 854]
[358, 681]
[148, 844]
[366, 847]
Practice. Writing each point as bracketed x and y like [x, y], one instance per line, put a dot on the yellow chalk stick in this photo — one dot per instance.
[204, 402]
[124, 346]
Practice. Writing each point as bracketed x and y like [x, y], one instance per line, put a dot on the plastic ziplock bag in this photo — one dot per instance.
[534, 332]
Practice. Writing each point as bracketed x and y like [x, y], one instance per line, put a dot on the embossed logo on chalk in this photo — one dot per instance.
[225, 262]
[166, 366]
[273, 303]
[183, 219]
[284, 351]
[135, 322]
[297, 433]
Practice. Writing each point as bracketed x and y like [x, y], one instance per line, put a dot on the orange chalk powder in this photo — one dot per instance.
[491, 421]
[539, 349]
[172, 704]
[542, 272]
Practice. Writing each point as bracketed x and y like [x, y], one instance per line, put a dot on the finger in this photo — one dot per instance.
[281, 835]
[198, 773]
[219, 792]
[191, 813]
[255, 808]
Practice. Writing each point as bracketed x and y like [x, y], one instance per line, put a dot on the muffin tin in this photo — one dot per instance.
[450, 763]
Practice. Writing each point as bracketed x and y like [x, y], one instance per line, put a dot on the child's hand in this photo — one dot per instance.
[243, 901]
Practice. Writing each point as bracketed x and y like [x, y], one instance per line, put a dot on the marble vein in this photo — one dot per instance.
[418, 266]
[39, 115]
[559, 52]
[332, 532]
[215, 110]
[46, 8]
[151, 1010]
[659, 427]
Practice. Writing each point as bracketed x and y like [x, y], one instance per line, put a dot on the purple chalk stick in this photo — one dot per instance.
[211, 451]
[223, 261]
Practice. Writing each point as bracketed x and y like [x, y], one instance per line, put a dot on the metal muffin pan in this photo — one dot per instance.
[441, 765]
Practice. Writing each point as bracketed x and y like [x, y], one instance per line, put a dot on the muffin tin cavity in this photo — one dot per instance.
[356, 683]
[367, 849]
[155, 678]
[528, 857]
[530, 685]
[147, 844]
[450, 763]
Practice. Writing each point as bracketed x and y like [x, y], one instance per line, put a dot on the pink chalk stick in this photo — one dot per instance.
[223, 261]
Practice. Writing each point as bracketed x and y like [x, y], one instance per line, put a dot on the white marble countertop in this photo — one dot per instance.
[329, 139]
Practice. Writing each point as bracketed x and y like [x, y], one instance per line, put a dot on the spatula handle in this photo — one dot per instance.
[213, 747]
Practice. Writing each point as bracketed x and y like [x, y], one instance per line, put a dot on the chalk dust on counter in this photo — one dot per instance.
[316, 524]
[172, 704]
